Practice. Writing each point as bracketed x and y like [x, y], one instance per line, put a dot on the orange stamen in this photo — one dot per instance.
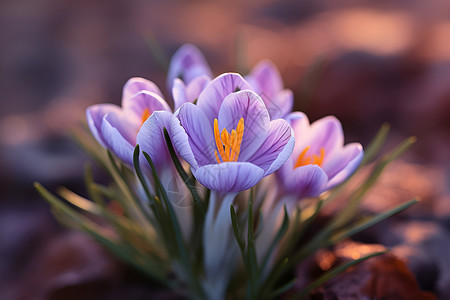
[239, 136]
[303, 159]
[145, 115]
[228, 145]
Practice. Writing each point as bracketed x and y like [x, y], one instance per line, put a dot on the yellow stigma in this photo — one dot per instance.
[314, 159]
[228, 145]
[145, 115]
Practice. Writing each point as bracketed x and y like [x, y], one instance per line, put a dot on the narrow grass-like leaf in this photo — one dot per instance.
[133, 206]
[375, 145]
[188, 180]
[82, 136]
[93, 193]
[330, 274]
[368, 222]
[252, 265]
[280, 234]
[350, 209]
[57, 203]
[181, 246]
[283, 289]
[237, 231]
[81, 202]
[280, 268]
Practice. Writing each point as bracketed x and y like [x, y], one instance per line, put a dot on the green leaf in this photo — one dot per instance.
[188, 180]
[252, 261]
[330, 274]
[237, 231]
[351, 208]
[283, 289]
[372, 149]
[81, 202]
[368, 222]
[280, 234]
[375, 145]
[181, 246]
[279, 269]
[132, 206]
[89, 182]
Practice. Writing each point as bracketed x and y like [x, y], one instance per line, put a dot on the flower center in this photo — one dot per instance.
[228, 145]
[145, 115]
[304, 159]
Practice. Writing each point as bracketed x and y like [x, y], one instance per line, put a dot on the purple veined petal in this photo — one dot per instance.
[266, 78]
[187, 63]
[248, 105]
[180, 142]
[280, 105]
[300, 125]
[179, 93]
[199, 132]
[137, 84]
[211, 98]
[325, 133]
[284, 103]
[229, 177]
[276, 149]
[116, 139]
[94, 116]
[135, 106]
[182, 93]
[343, 164]
[196, 86]
[304, 181]
[151, 137]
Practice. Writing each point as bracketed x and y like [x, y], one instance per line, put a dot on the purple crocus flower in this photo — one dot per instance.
[187, 64]
[140, 120]
[267, 82]
[228, 138]
[319, 160]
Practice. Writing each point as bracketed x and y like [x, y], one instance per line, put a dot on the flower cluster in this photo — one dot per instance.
[220, 170]
[231, 130]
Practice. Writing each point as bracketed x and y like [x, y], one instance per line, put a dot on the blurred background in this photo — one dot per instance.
[367, 62]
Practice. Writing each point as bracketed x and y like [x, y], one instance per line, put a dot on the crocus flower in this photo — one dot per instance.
[121, 128]
[189, 73]
[267, 82]
[228, 138]
[319, 160]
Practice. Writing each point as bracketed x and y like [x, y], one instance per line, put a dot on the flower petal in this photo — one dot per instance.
[229, 176]
[305, 181]
[137, 104]
[179, 94]
[276, 149]
[248, 105]
[300, 125]
[187, 63]
[94, 116]
[117, 139]
[343, 164]
[325, 133]
[200, 135]
[266, 79]
[182, 93]
[138, 84]
[211, 98]
[196, 86]
[180, 142]
[151, 137]
[281, 105]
